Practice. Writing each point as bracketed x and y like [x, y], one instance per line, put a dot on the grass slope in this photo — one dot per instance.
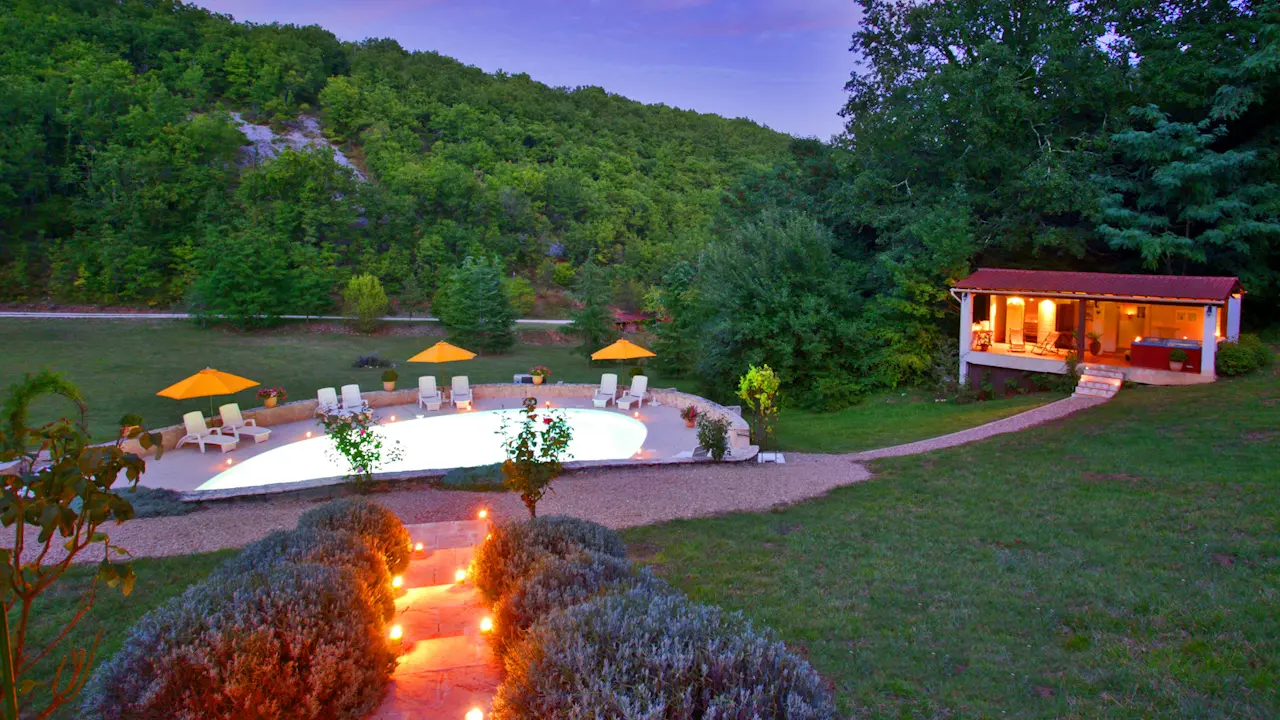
[1122, 563]
[113, 613]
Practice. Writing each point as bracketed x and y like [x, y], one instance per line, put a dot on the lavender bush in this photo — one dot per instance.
[512, 549]
[367, 519]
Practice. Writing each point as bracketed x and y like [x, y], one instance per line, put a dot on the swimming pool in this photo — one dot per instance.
[437, 443]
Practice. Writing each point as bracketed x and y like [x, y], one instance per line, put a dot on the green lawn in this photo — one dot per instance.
[120, 365]
[891, 419]
[113, 613]
[1122, 563]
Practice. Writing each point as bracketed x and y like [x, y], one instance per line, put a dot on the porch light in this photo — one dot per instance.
[460, 575]
[486, 624]
[396, 632]
[475, 714]
[482, 514]
[397, 581]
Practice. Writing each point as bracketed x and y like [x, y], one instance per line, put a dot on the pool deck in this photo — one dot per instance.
[186, 468]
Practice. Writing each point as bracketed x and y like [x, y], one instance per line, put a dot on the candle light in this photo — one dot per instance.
[482, 514]
[475, 714]
[418, 547]
[229, 461]
[393, 418]
[396, 633]
[397, 581]
[486, 624]
[460, 575]
[308, 433]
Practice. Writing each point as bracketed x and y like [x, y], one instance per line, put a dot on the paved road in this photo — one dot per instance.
[187, 316]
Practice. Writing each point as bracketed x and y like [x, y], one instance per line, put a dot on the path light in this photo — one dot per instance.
[636, 414]
[308, 433]
[475, 714]
[482, 514]
[393, 418]
[397, 581]
[460, 575]
[488, 536]
[396, 633]
[486, 624]
[418, 547]
[229, 461]
[548, 403]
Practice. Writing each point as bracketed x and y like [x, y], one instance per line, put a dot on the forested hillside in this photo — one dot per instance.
[121, 180]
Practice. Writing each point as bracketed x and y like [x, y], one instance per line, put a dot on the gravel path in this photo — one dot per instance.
[615, 497]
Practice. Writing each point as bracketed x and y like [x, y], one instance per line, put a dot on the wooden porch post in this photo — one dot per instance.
[1081, 338]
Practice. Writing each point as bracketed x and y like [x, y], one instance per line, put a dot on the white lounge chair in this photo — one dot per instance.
[353, 401]
[233, 422]
[200, 434]
[608, 392]
[326, 401]
[428, 394]
[461, 395]
[635, 394]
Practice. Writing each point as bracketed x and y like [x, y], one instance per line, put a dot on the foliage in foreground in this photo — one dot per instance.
[61, 490]
[513, 548]
[368, 520]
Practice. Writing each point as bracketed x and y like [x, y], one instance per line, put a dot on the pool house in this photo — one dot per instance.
[1154, 329]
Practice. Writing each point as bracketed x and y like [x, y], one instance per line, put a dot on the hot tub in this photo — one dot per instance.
[1154, 353]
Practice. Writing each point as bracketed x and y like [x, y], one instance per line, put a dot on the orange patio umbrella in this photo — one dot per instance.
[207, 383]
[622, 350]
[442, 352]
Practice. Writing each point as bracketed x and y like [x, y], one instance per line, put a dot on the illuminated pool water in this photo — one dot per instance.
[436, 443]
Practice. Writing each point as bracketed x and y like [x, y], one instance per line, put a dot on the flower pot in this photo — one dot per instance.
[389, 386]
[270, 402]
[537, 379]
[1095, 347]
[690, 423]
[1175, 366]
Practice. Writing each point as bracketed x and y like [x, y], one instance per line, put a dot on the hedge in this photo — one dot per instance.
[513, 548]
[1244, 356]
[368, 519]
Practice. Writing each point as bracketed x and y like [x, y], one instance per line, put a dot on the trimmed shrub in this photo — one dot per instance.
[557, 582]
[713, 435]
[645, 655]
[513, 548]
[1245, 356]
[319, 547]
[295, 641]
[367, 519]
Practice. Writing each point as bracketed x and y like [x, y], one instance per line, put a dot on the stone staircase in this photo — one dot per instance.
[1098, 381]
[446, 669]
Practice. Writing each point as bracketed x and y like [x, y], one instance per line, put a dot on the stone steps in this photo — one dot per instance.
[445, 667]
[1098, 381]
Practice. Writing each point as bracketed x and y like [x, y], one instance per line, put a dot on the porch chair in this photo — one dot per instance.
[607, 392]
[234, 423]
[461, 395]
[326, 401]
[353, 401]
[1048, 345]
[428, 394]
[200, 434]
[636, 393]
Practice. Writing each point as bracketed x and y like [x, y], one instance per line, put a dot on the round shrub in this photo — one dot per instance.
[367, 519]
[335, 548]
[557, 582]
[295, 641]
[513, 548]
[641, 655]
[1245, 356]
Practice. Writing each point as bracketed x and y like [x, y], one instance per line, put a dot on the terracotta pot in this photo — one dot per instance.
[1095, 347]
[389, 386]
[1175, 366]
[690, 423]
[537, 379]
[271, 401]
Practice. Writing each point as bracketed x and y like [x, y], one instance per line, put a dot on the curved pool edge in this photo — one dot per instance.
[275, 490]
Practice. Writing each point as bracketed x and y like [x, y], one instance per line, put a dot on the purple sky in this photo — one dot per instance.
[779, 62]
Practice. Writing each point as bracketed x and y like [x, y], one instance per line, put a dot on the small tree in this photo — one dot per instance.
[366, 301]
[474, 306]
[593, 323]
[60, 490]
[759, 390]
[535, 456]
[356, 441]
[412, 295]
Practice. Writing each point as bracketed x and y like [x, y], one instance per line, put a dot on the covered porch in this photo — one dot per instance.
[1160, 330]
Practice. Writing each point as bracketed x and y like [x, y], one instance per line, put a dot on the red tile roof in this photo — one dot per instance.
[1052, 282]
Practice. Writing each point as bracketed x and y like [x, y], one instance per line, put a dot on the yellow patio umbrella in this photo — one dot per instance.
[207, 383]
[622, 350]
[442, 352]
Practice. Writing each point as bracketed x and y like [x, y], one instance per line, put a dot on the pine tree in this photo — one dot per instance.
[412, 294]
[474, 306]
[593, 323]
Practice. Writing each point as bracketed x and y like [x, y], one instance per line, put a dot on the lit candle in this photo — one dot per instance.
[397, 581]
[393, 418]
[396, 632]
[418, 547]
[482, 514]
[460, 575]
[475, 714]
[486, 624]
[229, 461]
[308, 433]
[635, 414]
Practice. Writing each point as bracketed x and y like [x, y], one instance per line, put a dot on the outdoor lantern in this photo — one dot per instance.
[418, 547]
[396, 633]
[308, 433]
[486, 624]
[635, 414]
[460, 575]
[229, 461]
[397, 581]
[482, 514]
[475, 714]
[393, 418]
[548, 403]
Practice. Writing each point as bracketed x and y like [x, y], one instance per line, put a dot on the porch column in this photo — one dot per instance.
[1209, 342]
[1233, 319]
[966, 333]
[1080, 330]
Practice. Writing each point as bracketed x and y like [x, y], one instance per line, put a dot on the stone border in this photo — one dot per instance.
[740, 447]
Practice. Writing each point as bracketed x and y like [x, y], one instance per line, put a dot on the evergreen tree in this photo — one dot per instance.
[245, 278]
[412, 294]
[593, 322]
[679, 320]
[474, 306]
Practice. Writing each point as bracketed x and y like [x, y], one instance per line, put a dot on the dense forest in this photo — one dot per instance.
[1107, 135]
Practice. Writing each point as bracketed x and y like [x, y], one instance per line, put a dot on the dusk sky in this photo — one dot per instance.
[779, 62]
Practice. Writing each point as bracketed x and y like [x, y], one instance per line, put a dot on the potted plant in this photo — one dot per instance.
[1095, 343]
[271, 396]
[389, 378]
[128, 423]
[690, 415]
[1177, 356]
[539, 374]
